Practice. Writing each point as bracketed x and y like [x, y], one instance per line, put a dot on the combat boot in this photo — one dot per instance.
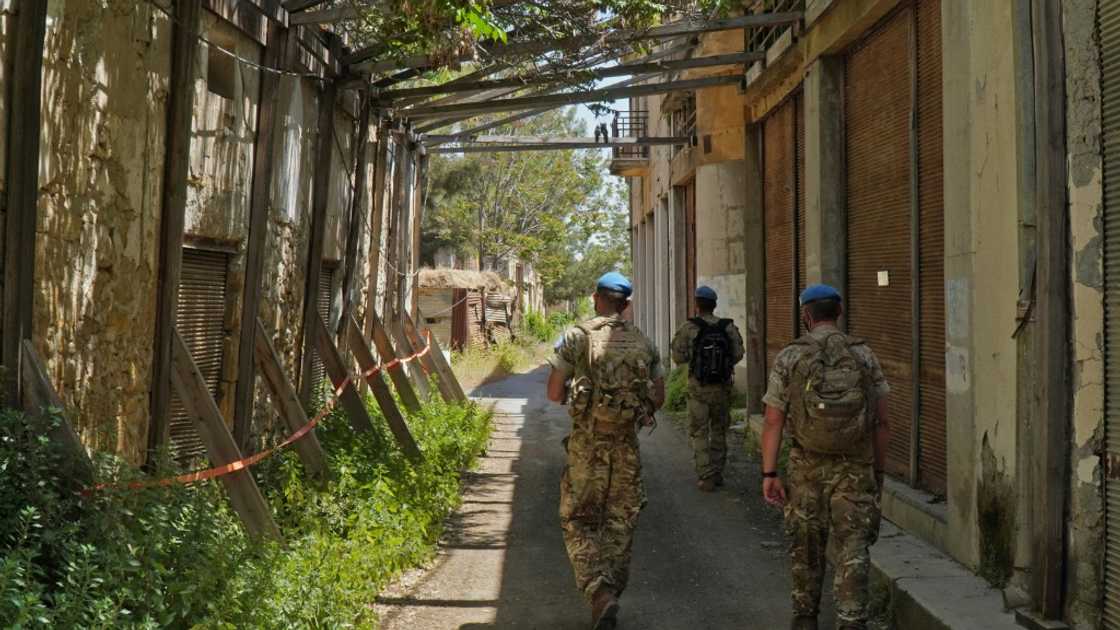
[706, 485]
[604, 609]
[804, 622]
[718, 479]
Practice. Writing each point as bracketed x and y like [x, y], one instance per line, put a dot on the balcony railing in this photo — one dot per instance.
[631, 124]
[762, 38]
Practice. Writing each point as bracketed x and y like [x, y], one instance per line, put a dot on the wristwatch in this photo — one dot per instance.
[770, 475]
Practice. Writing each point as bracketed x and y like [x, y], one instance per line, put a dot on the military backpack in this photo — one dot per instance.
[614, 389]
[829, 394]
[711, 363]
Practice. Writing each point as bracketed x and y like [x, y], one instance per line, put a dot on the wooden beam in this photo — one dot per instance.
[573, 98]
[21, 202]
[337, 371]
[360, 348]
[325, 16]
[40, 398]
[220, 447]
[419, 198]
[381, 394]
[1051, 436]
[260, 196]
[397, 373]
[391, 246]
[616, 38]
[560, 140]
[376, 220]
[357, 207]
[295, 6]
[448, 383]
[645, 67]
[494, 124]
[319, 198]
[285, 400]
[416, 369]
[181, 85]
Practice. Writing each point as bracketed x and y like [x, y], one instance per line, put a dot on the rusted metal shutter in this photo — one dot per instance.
[932, 439]
[779, 194]
[200, 320]
[877, 102]
[323, 305]
[1109, 34]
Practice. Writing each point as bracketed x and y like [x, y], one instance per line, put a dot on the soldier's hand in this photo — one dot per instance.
[773, 491]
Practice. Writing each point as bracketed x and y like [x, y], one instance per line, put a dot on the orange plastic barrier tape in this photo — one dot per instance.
[246, 462]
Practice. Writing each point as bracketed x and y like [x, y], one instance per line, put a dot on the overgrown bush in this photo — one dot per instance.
[545, 330]
[676, 389]
[177, 556]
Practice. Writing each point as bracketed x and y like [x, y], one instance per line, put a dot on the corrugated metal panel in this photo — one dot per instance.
[1109, 31]
[877, 101]
[932, 444]
[779, 196]
[323, 305]
[200, 320]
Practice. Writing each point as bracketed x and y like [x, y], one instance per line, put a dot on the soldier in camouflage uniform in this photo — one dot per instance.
[709, 405]
[835, 469]
[616, 385]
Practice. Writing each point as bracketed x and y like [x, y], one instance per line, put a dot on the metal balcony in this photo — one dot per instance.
[632, 160]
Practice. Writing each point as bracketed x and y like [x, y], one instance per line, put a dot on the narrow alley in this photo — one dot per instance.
[700, 560]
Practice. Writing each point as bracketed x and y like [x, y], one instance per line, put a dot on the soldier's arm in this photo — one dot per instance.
[556, 380]
[882, 423]
[657, 378]
[681, 345]
[776, 401]
[737, 344]
[562, 362]
[657, 393]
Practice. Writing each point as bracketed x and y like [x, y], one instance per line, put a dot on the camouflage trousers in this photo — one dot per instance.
[832, 500]
[601, 495]
[709, 415]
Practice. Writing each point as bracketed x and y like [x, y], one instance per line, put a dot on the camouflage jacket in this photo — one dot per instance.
[683, 340]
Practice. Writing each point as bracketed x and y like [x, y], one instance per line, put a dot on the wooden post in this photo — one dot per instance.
[393, 417]
[420, 193]
[325, 153]
[211, 426]
[385, 350]
[352, 402]
[39, 397]
[436, 363]
[417, 369]
[258, 234]
[185, 30]
[285, 400]
[1051, 439]
[377, 214]
[337, 371]
[28, 33]
[392, 250]
[357, 206]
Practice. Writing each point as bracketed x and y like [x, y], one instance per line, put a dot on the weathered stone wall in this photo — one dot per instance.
[101, 163]
[1083, 138]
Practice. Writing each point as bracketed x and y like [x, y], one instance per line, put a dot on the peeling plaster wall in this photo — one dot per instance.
[220, 175]
[289, 228]
[981, 264]
[720, 261]
[1083, 137]
[101, 163]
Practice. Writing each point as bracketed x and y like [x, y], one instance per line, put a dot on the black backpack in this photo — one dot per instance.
[711, 362]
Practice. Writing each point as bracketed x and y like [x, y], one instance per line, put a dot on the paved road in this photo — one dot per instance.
[700, 560]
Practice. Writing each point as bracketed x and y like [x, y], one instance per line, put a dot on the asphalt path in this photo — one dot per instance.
[700, 560]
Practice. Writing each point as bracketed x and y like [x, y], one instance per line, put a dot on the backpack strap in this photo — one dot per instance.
[700, 323]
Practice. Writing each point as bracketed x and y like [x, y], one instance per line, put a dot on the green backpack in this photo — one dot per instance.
[613, 392]
[829, 396]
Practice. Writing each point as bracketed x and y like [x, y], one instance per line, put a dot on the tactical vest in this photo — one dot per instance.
[829, 393]
[611, 393]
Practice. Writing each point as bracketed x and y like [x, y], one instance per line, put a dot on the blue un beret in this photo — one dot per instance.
[706, 293]
[616, 282]
[817, 292]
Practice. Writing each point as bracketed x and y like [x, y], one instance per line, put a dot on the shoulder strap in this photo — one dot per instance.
[724, 323]
[699, 321]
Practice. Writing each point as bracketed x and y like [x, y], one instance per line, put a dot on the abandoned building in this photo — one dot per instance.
[947, 165]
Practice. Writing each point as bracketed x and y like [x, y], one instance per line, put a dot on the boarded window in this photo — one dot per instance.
[200, 320]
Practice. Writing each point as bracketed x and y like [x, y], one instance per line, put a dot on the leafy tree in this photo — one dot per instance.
[525, 205]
